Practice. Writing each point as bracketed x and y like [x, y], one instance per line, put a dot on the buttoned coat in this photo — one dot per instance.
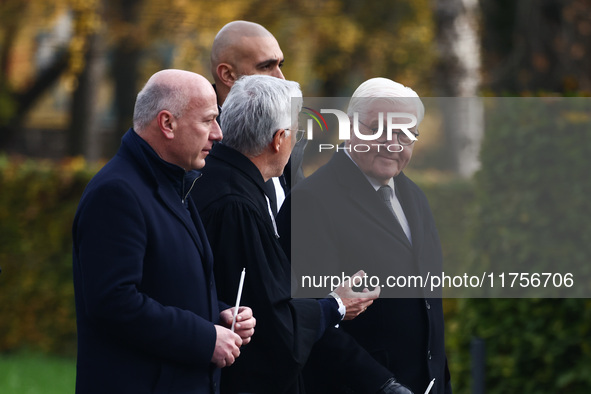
[333, 224]
[143, 273]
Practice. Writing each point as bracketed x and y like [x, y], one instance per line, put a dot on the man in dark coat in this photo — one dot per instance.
[259, 134]
[361, 210]
[148, 316]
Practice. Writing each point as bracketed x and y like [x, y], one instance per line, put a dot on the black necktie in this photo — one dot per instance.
[385, 193]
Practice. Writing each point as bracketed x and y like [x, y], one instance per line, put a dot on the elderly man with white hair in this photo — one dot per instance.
[361, 210]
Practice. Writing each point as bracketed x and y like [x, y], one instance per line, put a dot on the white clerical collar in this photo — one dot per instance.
[272, 217]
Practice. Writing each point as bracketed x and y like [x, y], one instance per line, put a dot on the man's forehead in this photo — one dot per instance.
[373, 109]
[260, 47]
[210, 108]
[206, 103]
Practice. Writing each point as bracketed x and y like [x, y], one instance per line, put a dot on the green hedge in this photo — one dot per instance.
[38, 200]
[452, 203]
[532, 210]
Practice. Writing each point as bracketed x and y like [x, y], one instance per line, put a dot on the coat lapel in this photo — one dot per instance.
[172, 200]
[411, 209]
[364, 196]
[206, 253]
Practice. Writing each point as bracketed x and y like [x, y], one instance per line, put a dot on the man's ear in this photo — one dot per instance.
[226, 74]
[166, 123]
[278, 139]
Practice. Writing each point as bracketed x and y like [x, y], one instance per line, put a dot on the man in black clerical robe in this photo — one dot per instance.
[258, 138]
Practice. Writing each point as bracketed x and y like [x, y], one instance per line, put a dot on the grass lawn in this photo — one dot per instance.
[36, 374]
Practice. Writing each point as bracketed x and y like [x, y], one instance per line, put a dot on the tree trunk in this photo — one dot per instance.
[16, 104]
[458, 79]
[125, 71]
[82, 138]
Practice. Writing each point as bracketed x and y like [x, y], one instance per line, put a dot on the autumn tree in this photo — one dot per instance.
[536, 46]
[330, 47]
[21, 85]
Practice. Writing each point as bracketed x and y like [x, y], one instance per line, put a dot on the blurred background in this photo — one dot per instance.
[505, 189]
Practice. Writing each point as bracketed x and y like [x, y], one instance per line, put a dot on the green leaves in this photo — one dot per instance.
[37, 206]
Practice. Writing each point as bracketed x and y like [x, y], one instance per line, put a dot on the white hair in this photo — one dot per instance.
[256, 107]
[384, 89]
[156, 97]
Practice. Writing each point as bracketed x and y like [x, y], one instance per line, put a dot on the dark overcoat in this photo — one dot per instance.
[143, 273]
[334, 223]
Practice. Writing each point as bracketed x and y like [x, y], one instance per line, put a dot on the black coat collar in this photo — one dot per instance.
[161, 174]
[239, 162]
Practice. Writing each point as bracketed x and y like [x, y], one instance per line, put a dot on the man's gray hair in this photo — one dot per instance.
[156, 97]
[383, 89]
[256, 107]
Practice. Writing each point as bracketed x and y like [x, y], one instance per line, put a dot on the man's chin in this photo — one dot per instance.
[384, 176]
[199, 163]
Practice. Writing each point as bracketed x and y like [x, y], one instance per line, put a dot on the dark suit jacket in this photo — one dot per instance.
[145, 296]
[340, 226]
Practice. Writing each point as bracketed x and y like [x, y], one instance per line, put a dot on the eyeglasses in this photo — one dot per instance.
[299, 134]
[402, 138]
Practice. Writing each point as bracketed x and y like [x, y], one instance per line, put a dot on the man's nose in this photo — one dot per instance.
[278, 74]
[216, 134]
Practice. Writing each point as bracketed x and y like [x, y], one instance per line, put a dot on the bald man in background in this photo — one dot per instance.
[243, 48]
[247, 48]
